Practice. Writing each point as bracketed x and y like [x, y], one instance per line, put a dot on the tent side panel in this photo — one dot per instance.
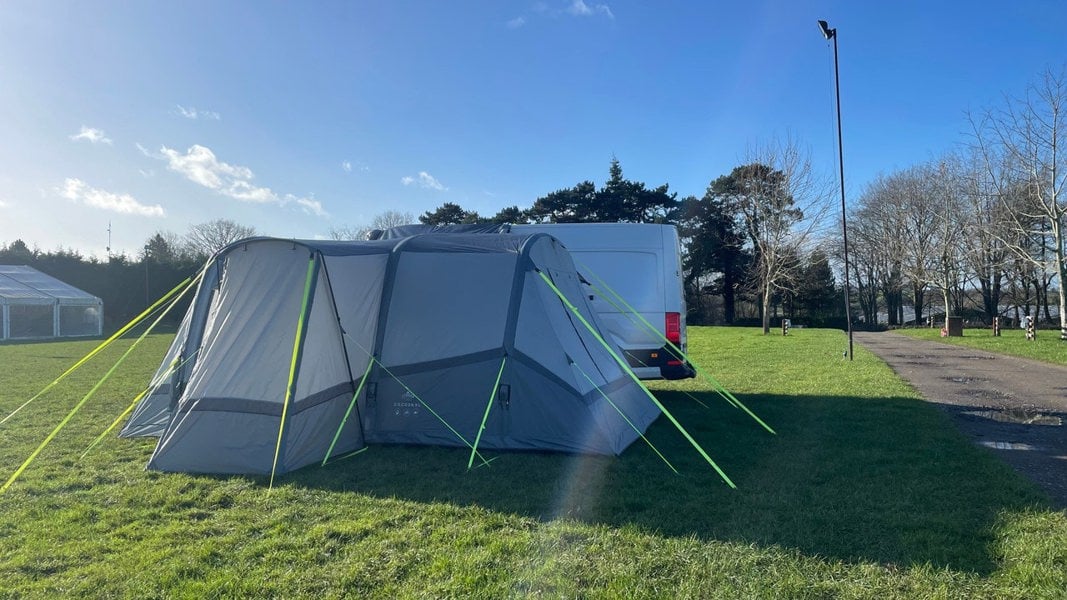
[545, 416]
[244, 354]
[626, 399]
[234, 435]
[457, 394]
[218, 442]
[152, 414]
[447, 304]
[248, 338]
[323, 370]
[310, 432]
[357, 283]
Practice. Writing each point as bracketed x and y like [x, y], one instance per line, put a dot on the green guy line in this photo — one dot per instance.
[336, 436]
[81, 403]
[128, 326]
[489, 405]
[628, 371]
[416, 396]
[427, 407]
[683, 355]
[152, 387]
[624, 417]
[636, 318]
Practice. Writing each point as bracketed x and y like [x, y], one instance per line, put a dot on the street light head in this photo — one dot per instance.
[826, 31]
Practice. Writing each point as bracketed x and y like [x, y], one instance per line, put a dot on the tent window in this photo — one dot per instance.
[78, 320]
[31, 320]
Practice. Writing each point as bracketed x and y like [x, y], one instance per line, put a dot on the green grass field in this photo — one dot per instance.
[866, 492]
[1046, 346]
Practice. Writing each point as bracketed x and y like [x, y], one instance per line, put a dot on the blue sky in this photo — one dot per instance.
[296, 118]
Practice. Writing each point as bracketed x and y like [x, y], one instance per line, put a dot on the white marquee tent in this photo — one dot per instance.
[35, 305]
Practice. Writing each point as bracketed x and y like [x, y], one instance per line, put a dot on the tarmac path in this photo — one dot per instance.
[1015, 407]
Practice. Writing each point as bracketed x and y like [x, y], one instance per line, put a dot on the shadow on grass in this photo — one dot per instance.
[885, 480]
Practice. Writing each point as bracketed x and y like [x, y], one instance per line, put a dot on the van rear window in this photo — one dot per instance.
[632, 275]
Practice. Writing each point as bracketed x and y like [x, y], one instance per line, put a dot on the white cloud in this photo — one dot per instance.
[194, 114]
[425, 181]
[77, 190]
[572, 8]
[200, 165]
[357, 166]
[310, 205]
[580, 9]
[4, 204]
[90, 134]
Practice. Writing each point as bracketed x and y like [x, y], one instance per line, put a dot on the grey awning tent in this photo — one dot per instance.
[295, 351]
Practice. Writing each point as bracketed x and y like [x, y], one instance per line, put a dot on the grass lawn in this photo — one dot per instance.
[866, 492]
[1046, 346]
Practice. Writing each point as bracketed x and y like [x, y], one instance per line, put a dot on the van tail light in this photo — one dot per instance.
[674, 328]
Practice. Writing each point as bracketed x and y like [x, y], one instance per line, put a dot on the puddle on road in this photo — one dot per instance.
[1007, 446]
[965, 379]
[990, 395]
[924, 363]
[1020, 416]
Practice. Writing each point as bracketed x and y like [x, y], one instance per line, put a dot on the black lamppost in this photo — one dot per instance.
[832, 34]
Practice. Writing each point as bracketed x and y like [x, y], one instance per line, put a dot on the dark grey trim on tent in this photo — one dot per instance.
[531, 363]
[444, 363]
[403, 231]
[262, 407]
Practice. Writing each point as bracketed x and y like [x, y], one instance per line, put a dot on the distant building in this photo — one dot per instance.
[36, 306]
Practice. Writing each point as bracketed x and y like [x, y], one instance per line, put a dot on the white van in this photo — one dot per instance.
[642, 264]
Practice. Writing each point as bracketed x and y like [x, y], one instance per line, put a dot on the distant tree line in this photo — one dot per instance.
[128, 284]
[752, 245]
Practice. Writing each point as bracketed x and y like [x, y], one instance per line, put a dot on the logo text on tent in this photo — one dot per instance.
[407, 409]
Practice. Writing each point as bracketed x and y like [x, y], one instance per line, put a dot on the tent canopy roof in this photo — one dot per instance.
[19, 283]
[427, 242]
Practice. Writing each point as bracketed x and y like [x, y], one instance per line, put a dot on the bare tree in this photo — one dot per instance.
[988, 225]
[1024, 147]
[945, 267]
[384, 220]
[208, 238]
[782, 203]
[864, 250]
[392, 218]
[346, 232]
[164, 246]
[882, 236]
